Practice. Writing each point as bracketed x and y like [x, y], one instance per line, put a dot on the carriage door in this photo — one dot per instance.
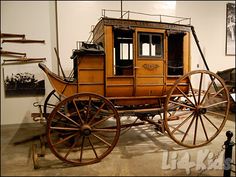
[123, 52]
[149, 62]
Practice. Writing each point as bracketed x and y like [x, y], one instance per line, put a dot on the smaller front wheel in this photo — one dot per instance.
[197, 108]
[83, 129]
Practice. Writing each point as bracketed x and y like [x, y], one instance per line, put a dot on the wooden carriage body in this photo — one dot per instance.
[140, 62]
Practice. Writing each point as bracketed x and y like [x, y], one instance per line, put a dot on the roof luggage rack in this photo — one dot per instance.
[140, 15]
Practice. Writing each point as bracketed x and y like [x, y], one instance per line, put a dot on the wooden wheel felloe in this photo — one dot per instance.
[50, 102]
[196, 115]
[83, 129]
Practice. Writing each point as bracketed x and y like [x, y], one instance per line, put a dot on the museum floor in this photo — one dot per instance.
[141, 151]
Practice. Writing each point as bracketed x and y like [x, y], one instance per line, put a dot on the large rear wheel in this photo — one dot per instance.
[196, 107]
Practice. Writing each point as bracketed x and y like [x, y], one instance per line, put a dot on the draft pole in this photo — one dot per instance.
[121, 9]
[57, 38]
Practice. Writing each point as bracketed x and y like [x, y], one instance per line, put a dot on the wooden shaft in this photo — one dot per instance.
[21, 62]
[9, 35]
[23, 41]
[6, 53]
[24, 59]
[59, 62]
[12, 55]
[199, 48]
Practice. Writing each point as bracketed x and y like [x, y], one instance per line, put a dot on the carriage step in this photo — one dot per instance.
[39, 116]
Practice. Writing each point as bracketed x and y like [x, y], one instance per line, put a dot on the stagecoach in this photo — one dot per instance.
[138, 69]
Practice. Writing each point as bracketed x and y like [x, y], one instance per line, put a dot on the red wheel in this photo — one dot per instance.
[196, 112]
[83, 129]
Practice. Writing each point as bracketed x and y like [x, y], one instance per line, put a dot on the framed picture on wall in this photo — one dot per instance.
[230, 29]
[23, 81]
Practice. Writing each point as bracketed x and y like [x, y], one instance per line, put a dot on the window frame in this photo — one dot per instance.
[118, 55]
[151, 34]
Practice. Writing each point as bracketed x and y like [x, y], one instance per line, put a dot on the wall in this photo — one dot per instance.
[209, 20]
[36, 19]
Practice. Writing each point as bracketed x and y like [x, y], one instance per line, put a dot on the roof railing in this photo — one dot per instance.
[160, 18]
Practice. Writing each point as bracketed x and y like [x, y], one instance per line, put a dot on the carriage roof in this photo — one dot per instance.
[131, 24]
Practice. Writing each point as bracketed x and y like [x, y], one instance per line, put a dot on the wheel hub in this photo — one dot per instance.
[86, 130]
[201, 110]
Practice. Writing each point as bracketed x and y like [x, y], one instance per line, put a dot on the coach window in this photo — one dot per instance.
[150, 45]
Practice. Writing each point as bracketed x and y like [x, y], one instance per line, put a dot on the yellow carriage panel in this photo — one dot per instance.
[149, 90]
[91, 73]
[91, 76]
[119, 90]
[90, 61]
[121, 80]
[61, 86]
[92, 88]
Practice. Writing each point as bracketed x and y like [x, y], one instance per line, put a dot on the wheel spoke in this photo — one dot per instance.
[91, 144]
[218, 92]
[208, 89]
[208, 106]
[81, 120]
[184, 113]
[188, 128]
[204, 129]
[185, 95]
[104, 141]
[182, 123]
[64, 128]
[71, 148]
[191, 87]
[102, 120]
[65, 139]
[66, 117]
[211, 122]
[98, 111]
[82, 149]
[200, 88]
[195, 132]
[104, 129]
[88, 109]
[216, 113]
[180, 104]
